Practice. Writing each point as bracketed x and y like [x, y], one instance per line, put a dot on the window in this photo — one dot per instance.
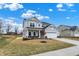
[29, 33]
[39, 25]
[32, 25]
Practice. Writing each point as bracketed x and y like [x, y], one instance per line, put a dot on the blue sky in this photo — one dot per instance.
[54, 13]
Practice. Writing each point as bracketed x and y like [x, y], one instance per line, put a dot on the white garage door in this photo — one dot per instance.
[51, 35]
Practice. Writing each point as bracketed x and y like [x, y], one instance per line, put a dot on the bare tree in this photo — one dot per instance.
[8, 28]
[1, 23]
[16, 29]
[73, 28]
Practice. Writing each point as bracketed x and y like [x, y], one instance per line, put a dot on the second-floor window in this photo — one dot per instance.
[39, 25]
[32, 25]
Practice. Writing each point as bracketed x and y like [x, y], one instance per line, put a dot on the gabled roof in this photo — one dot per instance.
[66, 27]
[45, 25]
[33, 19]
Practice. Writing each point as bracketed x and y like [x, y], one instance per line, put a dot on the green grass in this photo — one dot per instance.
[18, 47]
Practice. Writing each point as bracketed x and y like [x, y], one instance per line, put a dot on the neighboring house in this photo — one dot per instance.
[33, 28]
[68, 31]
[76, 33]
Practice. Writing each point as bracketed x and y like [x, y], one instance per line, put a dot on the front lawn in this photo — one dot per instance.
[18, 47]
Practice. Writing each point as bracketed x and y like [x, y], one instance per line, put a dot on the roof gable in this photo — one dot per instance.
[33, 19]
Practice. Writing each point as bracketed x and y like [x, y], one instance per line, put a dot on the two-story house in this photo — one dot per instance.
[68, 31]
[33, 28]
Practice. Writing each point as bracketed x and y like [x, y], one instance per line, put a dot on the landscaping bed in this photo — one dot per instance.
[18, 47]
[73, 38]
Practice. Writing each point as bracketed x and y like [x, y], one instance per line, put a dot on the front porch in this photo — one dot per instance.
[35, 34]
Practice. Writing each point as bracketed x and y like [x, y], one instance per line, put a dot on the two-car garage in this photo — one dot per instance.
[51, 35]
[51, 32]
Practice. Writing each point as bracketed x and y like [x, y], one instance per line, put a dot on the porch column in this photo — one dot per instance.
[32, 33]
[39, 34]
[27, 33]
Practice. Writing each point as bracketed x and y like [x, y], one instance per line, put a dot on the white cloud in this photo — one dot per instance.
[47, 17]
[32, 13]
[28, 14]
[1, 18]
[50, 10]
[12, 18]
[72, 10]
[70, 4]
[38, 8]
[59, 5]
[67, 17]
[60, 9]
[13, 6]
[37, 15]
[62, 5]
[1, 5]
[43, 17]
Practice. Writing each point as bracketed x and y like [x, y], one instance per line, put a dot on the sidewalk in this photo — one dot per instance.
[71, 51]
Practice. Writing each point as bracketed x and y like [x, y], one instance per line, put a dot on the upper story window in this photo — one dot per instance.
[32, 25]
[39, 25]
